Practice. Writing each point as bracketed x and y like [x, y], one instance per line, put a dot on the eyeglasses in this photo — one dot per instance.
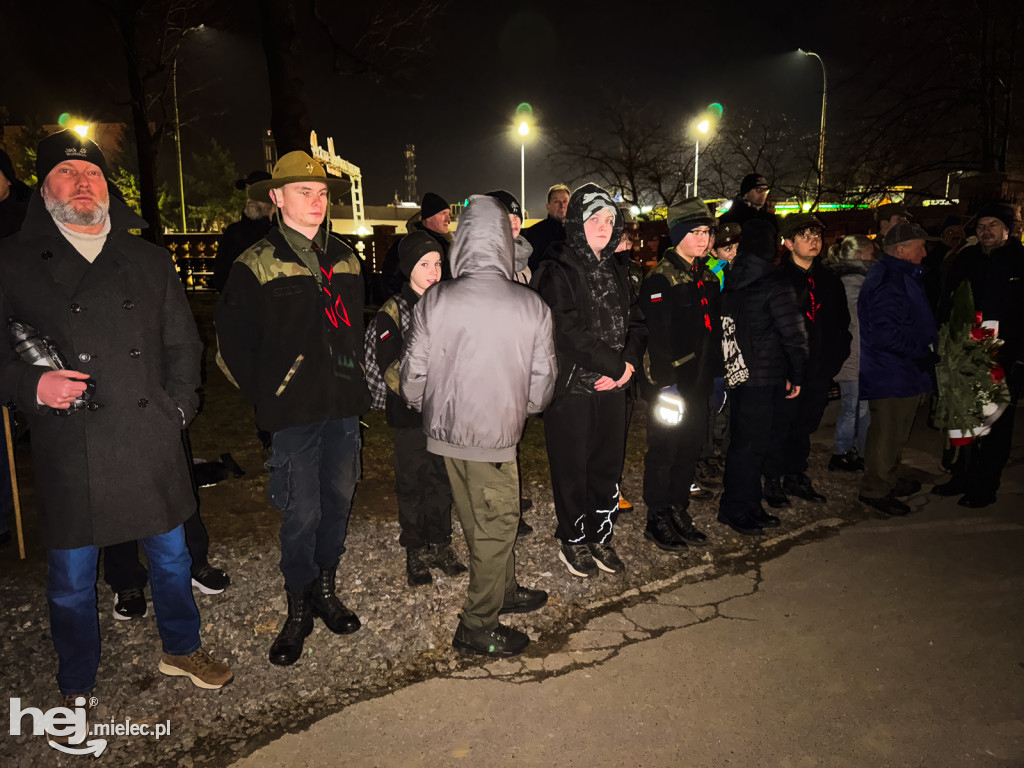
[702, 232]
[809, 234]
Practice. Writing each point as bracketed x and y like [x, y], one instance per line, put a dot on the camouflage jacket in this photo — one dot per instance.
[290, 330]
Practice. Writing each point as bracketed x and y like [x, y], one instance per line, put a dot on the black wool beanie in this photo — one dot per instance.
[67, 145]
[414, 247]
[750, 181]
[509, 201]
[432, 204]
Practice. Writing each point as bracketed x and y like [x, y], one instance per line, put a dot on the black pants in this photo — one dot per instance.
[585, 436]
[792, 426]
[750, 439]
[672, 454]
[980, 463]
[423, 491]
[122, 569]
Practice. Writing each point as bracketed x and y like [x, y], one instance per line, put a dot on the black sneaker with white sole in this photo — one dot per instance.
[210, 580]
[606, 558]
[130, 604]
[577, 559]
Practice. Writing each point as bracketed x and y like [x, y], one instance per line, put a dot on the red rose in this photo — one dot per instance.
[977, 318]
[997, 374]
[978, 334]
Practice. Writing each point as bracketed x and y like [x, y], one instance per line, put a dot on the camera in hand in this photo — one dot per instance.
[37, 349]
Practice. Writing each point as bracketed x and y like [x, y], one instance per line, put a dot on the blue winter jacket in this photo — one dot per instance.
[897, 331]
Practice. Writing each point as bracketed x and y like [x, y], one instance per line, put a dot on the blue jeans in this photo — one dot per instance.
[854, 417]
[313, 474]
[74, 623]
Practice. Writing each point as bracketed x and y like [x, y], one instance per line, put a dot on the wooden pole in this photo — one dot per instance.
[14, 481]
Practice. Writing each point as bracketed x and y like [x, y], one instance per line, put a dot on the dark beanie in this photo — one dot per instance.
[996, 210]
[431, 205]
[66, 145]
[690, 214]
[414, 247]
[750, 181]
[509, 201]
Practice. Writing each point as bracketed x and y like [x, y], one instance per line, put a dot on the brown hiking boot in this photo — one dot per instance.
[205, 671]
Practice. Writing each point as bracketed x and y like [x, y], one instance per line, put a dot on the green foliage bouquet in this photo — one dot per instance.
[972, 385]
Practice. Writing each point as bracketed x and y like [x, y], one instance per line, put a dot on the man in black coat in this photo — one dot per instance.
[117, 469]
[821, 299]
[551, 230]
[257, 218]
[995, 270]
[751, 203]
[766, 355]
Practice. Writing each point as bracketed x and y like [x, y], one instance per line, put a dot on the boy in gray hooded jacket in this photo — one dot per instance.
[479, 360]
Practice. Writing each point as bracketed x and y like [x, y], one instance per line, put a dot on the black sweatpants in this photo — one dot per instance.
[585, 436]
[793, 424]
[672, 454]
[423, 491]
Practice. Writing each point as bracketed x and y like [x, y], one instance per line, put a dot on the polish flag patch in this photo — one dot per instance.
[385, 335]
[655, 298]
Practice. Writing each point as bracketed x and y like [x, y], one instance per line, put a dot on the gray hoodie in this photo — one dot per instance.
[481, 355]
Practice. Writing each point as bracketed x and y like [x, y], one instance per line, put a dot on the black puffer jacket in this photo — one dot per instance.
[769, 330]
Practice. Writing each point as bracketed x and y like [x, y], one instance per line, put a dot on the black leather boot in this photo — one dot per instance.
[773, 493]
[417, 566]
[336, 617]
[288, 646]
[443, 556]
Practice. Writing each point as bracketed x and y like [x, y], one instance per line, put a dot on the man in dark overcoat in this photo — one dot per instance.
[114, 469]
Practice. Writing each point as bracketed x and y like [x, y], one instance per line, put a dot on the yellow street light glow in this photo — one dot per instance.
[81, 130]
[523, 128]
[703, 126]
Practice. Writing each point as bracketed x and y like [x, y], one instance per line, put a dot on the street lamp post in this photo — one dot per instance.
[524, 130]
[177, 122]
[703, 127]
[824, 104]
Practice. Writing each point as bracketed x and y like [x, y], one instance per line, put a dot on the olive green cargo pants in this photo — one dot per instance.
[486, 499]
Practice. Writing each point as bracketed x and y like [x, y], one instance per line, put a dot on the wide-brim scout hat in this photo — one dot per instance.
[292, 168]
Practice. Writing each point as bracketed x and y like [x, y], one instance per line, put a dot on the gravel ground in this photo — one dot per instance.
[406, 632]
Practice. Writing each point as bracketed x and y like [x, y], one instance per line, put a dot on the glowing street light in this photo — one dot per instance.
[824, 102]
[177, 120]
[82, 130]
[706, 123]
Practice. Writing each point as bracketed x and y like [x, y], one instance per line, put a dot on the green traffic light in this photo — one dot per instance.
[716, 108]
[63, 119]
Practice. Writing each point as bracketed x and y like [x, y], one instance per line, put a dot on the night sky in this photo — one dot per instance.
[567, 60]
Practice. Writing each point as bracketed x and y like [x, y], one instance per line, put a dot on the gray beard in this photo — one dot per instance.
[64, 213]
